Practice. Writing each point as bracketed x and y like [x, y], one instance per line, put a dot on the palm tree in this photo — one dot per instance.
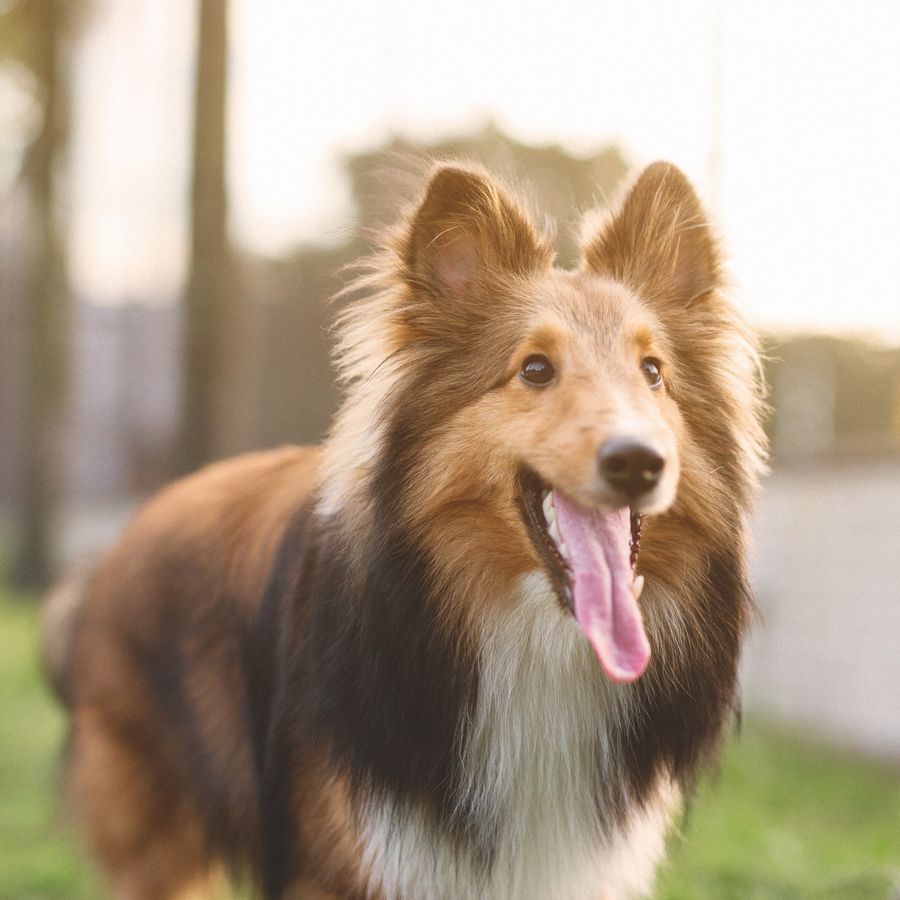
[34, 33]
[209, 301]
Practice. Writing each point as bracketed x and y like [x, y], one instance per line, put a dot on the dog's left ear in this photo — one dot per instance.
[660, 242]
[465, 230]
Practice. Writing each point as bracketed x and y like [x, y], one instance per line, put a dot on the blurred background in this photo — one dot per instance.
[181, 185]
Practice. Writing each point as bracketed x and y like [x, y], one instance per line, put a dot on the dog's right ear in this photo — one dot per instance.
[466, 230]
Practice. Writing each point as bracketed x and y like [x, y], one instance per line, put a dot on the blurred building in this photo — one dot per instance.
[123, 393]
[835, 399]
[823, 652]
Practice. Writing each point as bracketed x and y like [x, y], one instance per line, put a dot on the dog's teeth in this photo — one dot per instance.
[549, 508]
[563, 549]
[553, 531]
[637, 586]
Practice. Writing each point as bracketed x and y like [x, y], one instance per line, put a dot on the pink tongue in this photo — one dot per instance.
[597, 544]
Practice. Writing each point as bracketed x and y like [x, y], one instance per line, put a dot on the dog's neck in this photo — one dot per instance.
[542, 795]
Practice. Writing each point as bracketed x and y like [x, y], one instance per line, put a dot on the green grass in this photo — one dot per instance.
[784, 818]
[38, 856]
[788, 819]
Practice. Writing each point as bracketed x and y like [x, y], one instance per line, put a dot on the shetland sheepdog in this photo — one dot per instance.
[480, 642]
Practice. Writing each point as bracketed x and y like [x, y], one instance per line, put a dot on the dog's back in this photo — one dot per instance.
[162, 637]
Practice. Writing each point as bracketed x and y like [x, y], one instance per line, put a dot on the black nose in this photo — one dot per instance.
[630, 466]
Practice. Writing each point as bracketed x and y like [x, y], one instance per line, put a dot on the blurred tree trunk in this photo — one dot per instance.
[211, 360]
[45, 313]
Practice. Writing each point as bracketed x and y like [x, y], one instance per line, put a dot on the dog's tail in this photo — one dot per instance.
[59, 622]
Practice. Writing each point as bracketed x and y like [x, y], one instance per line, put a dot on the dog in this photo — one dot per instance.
[480, 643]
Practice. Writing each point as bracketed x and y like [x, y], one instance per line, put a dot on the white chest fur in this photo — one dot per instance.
[532, 775]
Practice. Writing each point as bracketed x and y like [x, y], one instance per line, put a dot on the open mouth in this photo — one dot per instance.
[590, 557]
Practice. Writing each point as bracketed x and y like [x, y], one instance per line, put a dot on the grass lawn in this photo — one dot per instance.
[784, 818]
[38, 857]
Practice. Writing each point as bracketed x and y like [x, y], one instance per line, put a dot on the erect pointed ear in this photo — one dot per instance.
[466, 229]
[659, 242]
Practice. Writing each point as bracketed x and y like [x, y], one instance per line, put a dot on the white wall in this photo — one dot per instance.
[826, 655]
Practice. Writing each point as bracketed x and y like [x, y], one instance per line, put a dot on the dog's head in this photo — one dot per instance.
[535, 415]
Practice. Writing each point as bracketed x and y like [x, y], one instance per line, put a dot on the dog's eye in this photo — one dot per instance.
[651, 369]
[537, 370]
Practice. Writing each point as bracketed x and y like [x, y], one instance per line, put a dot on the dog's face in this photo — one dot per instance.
[542, 412]
[585, 408]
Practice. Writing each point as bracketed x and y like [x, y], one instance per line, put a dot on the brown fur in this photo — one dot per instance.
[164, 582]
[212, 694]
